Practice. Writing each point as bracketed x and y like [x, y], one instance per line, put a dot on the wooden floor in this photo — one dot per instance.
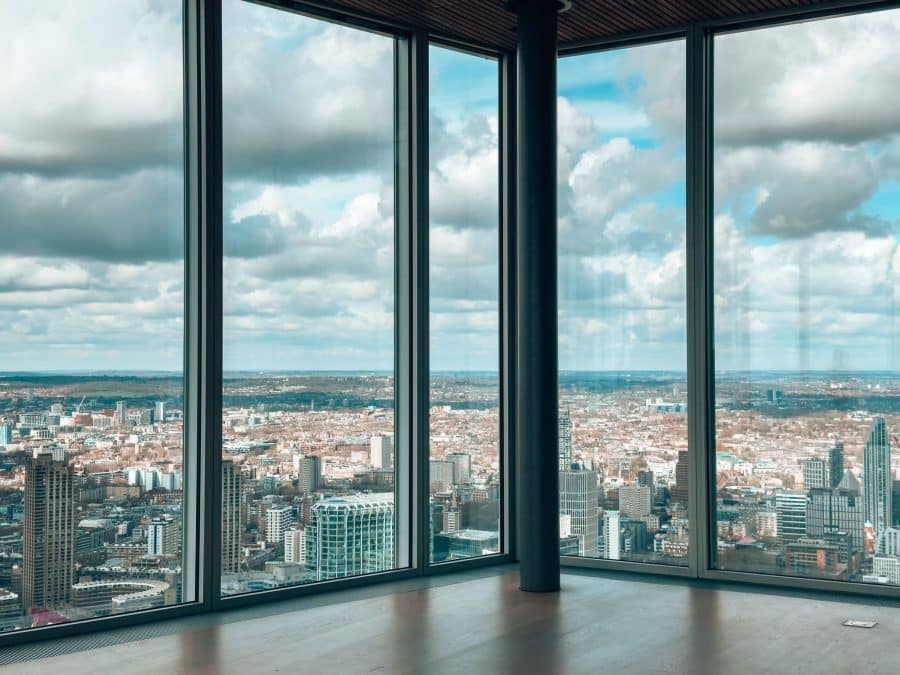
[475, 625]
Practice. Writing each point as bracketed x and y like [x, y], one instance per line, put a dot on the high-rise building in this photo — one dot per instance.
[442, 475]
[295, 546]
[48, 533]
[381, 451]
[611, 536]
[565, 440]
[790, 507]
[170, 480]
[836, 510]
[815, 474]
[635, 501]
[895, 502]
[310, 473]
[836, 463]
[231, 518]
[645, 477]
[887, 566]
[351, 535]
[121, 412]
[164, 537]
[6, 433]
[278, 520]
[159, 412]
[888, 542]
[462, 466]
[877, 485]
[578, 498]
[679, 491]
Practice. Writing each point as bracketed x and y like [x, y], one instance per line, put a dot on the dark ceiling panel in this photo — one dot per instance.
[491, 24]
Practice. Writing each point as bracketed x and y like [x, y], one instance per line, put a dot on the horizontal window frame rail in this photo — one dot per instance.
[466, 47]
[659, 569]
[742, 22]
[327, 11]
[604, 44]
[828, 9]
[101, 623]
[474, 562]
[837, 587]
[315, 588]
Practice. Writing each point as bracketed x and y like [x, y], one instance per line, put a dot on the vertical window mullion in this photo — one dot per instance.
[209, 309]
[699, 296]
[507, 300]
[420, 292]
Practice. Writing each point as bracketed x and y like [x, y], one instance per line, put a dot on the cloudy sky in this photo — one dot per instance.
[807, 200]
[807, 195]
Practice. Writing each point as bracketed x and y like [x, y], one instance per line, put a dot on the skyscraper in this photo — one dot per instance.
[6, 433]
[877, 487]
[815, 474]
[790, 508]
[164, 537]
[895, 502]
[611, 536]
[121, 412]
[679, 491]
[295, 546]
[578, 498]
[635, 501]
[645, 477]
[231, 519]
[159, 413]
[836, 463]
[278, 520]
[462, 466]
[48, 533]
[381, 451]
[310, 473]
[441, 475]
[835, 510]
[351, 535]
[565, 440]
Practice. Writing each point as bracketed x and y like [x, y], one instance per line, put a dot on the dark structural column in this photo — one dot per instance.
[537, 398]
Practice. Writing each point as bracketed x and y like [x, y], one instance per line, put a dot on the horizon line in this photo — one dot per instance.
[326, 371]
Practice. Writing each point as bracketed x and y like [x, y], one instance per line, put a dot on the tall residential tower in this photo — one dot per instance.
[48, 533]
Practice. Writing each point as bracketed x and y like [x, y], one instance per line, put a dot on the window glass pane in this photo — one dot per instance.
[465, 321]
[807, 201]
[308, 400]
[91, 309]
[623, 452]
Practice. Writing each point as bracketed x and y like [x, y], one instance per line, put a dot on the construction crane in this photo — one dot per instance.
[78, 408]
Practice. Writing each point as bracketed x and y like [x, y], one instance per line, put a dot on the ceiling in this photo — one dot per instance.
[490, 23]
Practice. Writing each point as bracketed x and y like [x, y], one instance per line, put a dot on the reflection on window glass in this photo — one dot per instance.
[465, 280]
[623, 452]
[806, 270]
[91, 310]
[308, 398]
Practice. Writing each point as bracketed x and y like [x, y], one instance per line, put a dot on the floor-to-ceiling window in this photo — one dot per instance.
[91, 310]
[464, 254]
[807, 200]
[623, 451]
[309, 453]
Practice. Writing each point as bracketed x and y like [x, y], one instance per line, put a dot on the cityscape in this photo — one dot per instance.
[91, 485]
[91, 480]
